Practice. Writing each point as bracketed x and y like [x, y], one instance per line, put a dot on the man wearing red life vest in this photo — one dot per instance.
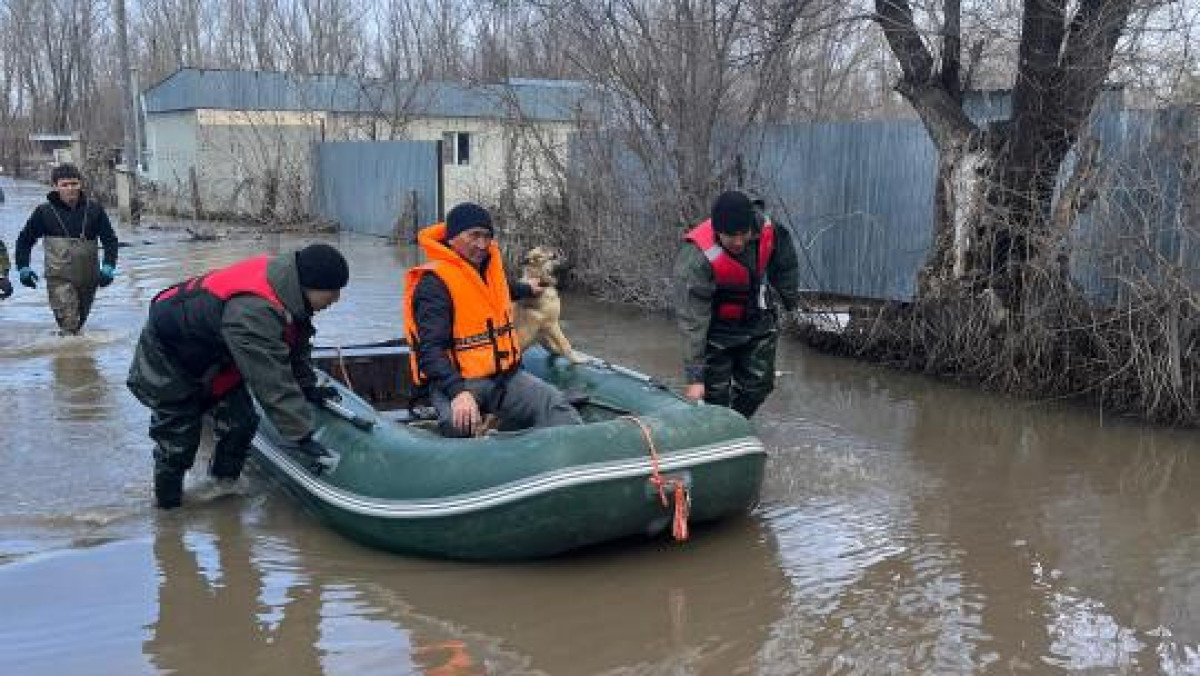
[214, 340]
[732, 272]
[458, 317]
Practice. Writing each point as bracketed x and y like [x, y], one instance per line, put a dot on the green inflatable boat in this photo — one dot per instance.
[646, 462]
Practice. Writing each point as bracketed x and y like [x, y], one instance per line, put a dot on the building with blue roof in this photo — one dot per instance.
[227, 140]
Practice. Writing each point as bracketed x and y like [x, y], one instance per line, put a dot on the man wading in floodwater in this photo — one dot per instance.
[213, 340]
[733, 272]
[69, 223]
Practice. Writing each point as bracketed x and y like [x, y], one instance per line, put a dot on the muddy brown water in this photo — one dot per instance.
[907, 526]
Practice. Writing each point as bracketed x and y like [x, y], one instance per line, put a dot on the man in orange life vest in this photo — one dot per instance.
[458, 315]
[732, 272]
[213, 340]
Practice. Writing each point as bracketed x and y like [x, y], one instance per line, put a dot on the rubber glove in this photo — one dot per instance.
[320, 393]
[28, 277]
[107, 273]
[313, 455]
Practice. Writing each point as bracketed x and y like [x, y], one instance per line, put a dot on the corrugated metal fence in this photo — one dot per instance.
[859, 199]
[1142, 226]
[377, 187]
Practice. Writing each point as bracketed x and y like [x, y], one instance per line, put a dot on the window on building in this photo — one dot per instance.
[456, 148]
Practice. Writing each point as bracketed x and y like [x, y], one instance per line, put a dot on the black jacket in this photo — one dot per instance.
[433, 312]
[196, 337]
[50, 219]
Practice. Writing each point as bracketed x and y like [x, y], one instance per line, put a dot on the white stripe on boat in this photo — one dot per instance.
[502, 494]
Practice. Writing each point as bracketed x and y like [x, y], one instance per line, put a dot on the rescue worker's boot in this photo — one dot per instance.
[227, 467]
[168, 488]
[176, 433]
[234, 424]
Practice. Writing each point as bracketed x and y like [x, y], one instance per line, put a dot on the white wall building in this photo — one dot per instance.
[239, 142]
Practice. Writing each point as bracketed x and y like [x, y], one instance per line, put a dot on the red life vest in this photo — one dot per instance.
[737, 286]
[187, 318]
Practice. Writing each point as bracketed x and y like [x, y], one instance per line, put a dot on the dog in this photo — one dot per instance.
[537, 317]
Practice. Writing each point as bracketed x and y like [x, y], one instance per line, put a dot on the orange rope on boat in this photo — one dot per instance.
[679, 522]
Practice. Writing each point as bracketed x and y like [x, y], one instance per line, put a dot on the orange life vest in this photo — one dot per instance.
[485, 337]
[737, 286]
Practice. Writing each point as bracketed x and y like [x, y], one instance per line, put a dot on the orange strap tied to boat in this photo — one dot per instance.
[679, 522]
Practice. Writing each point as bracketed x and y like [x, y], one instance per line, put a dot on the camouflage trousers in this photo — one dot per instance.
[70, 302]
[176, 429]
[522, 401]
[739, 370]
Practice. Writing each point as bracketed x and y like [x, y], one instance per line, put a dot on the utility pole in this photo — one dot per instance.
[130, 109]
[137, 117]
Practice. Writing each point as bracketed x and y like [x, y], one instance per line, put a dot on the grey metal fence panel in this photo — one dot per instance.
[369, 186]
[859, 200]
[1137, 227]
[858, 197]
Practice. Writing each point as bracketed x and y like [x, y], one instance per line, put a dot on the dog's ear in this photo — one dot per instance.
[536, 256]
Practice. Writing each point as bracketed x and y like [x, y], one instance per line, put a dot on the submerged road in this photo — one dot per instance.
[908, 526]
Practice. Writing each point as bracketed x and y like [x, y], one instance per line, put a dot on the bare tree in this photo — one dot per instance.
[996, 183]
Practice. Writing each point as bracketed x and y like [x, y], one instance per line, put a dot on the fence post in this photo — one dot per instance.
[197, 206]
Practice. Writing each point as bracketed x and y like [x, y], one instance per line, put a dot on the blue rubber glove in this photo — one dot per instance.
[107, 273]
[28, 277]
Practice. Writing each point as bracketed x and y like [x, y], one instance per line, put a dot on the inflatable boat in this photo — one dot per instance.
[646, 462]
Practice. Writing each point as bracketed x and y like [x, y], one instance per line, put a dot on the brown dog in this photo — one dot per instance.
[537, 317]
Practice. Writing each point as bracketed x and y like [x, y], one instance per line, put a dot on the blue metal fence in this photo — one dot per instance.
[377, 187]
[859, 199]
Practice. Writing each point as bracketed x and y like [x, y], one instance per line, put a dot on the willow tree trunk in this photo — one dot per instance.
[995, 220]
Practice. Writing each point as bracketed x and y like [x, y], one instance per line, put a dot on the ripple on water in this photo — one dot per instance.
[22, 340]
[869, 595]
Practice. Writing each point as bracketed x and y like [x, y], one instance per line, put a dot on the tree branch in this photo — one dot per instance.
[952, 50]
[896, 19]
[940, 109]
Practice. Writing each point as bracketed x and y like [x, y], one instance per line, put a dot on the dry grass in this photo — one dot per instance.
[1141, 359]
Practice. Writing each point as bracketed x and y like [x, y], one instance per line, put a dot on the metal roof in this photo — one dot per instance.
[190, 89]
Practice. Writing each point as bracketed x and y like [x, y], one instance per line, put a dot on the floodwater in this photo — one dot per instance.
[907, 526]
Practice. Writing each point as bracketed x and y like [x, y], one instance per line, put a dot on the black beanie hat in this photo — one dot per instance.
[732, 213]
[321, 266]
[64, 171]
[466, 216]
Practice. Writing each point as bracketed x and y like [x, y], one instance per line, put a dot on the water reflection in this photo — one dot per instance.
[231, 599]
[1087, 510]
[928, 527]
[78, 391]
[213, 615]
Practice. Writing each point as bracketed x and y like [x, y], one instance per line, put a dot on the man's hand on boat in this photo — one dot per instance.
[312, 454]
[321, 393]
[694, 391]
[464, 413]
